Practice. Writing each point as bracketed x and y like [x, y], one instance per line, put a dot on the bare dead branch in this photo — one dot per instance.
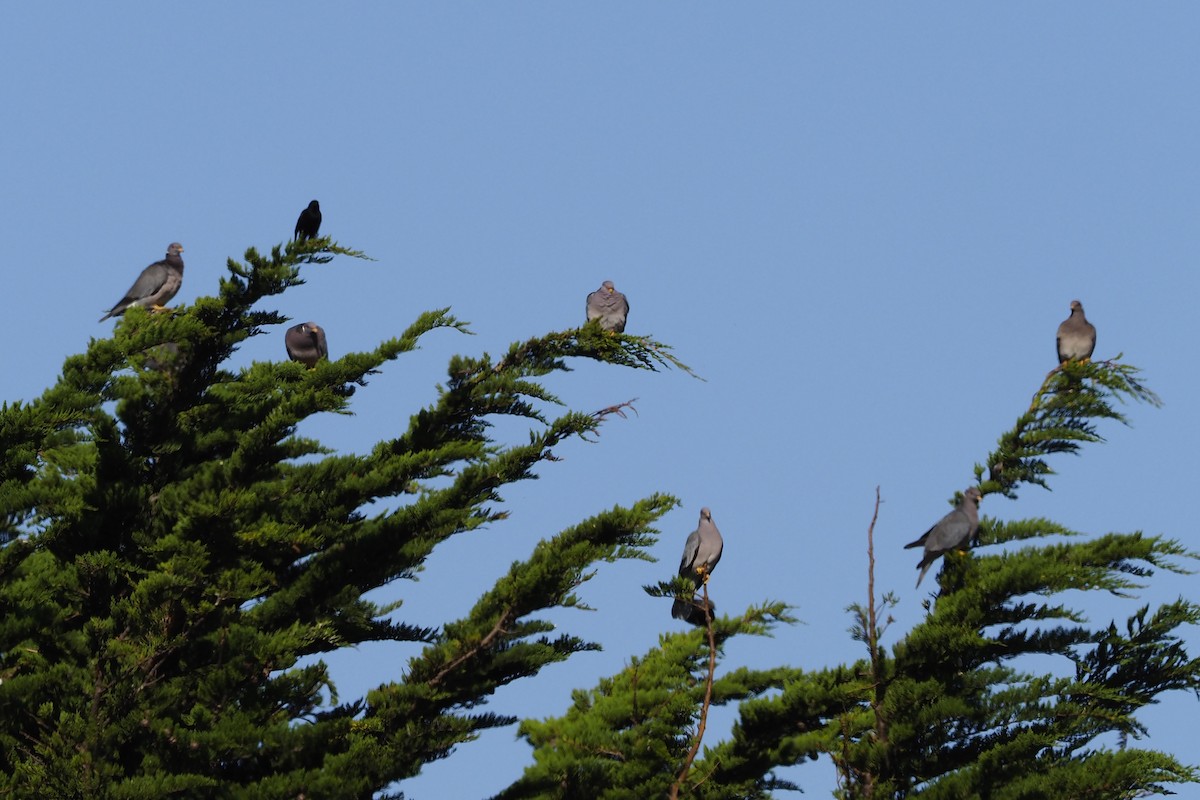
[617, 409]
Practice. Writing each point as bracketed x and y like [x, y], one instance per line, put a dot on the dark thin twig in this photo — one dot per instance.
[881, 727]
[708, 687]
[617, 409]
[501, 625]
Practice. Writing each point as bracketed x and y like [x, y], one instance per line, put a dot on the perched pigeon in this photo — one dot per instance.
[701, 552]
[954, 530]
[306, 343]
[163, 357]
[609, 306]
[309, 222]
[157, 284]
[1076, 336]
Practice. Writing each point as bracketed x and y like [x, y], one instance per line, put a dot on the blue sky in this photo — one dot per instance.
[860, 223]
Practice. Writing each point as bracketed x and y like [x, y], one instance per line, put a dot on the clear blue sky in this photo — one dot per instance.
[861, 223]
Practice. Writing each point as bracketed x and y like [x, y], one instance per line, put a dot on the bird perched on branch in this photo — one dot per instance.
[609, 306]
[306, 343]
[309, 222]
[952, 531]
[157, 284]
[701, 552]
[1076, 336]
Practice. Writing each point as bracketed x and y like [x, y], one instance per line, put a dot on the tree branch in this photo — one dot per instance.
[497, 630]
[708, 687]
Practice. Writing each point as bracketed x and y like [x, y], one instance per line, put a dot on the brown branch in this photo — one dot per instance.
[881, 730]
[505, 620]
[872, 631]
[604, 412]
[708, 687]
[1036, 400]
[876, 661]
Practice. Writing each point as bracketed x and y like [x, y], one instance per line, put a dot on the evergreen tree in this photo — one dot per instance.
[954, 710]
[171, 550]
[630, 735]
[175, 558]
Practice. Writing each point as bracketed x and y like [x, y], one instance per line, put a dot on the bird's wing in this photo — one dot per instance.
[950, 532]
[920, 541]
[291, 341]
[690, 548]
[153, 278]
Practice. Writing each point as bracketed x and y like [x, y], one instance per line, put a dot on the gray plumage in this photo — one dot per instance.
[1076, 336]
[952, 531]
[163, 358]
[609, 306]
[155, 287]
[701, 552]
[306, 343]
[308, 223]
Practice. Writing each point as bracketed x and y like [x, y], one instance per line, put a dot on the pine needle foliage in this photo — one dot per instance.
[1062, 417]
[627, 737]
[175, 557]
[964, 704]
[1007, 689]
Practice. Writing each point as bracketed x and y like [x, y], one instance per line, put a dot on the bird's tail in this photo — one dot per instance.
[924, 567]
[681, 607]
[693, 610]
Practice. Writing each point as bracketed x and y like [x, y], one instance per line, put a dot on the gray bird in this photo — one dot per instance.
[609, 306]
[162, 358]
[308, 223]
[951, 532]
[157, 284]
[306, 343]
[1076, 336]
[701, 552]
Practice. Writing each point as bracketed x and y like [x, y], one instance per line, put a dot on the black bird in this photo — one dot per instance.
[157, 284]
[309, 222]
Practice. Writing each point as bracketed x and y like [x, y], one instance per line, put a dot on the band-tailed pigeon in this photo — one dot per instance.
[309, 222]
[306, 343]
[1076, 336]
[701, 552]
[157, 284]
[163, 358]
[609, 306]
[952, 531]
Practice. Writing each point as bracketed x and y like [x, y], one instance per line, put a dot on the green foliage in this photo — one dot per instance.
[1061, 418]
[174, 554]
[954, 709]
[627, 737]
[175, 559]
